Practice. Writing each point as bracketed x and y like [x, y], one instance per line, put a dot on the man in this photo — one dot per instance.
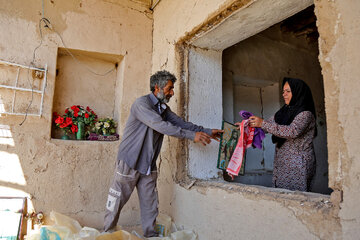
[150, 118]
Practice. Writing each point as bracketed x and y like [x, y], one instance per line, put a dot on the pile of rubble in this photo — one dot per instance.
[66, 228]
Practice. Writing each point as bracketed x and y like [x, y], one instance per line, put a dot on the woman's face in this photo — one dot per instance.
[287, 95]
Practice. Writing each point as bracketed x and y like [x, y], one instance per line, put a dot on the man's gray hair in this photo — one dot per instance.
[161, 78]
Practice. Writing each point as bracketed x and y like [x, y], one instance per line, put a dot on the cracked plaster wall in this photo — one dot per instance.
[65, 176]
[292, 215]
[338, 24]
[71, 177]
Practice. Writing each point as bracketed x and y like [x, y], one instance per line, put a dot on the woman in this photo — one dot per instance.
[293, 128]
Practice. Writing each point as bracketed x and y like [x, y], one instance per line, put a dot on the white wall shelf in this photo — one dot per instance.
[16, 88]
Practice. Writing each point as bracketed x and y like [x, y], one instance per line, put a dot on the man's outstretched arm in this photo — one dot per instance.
[152, 119]
[178, 121]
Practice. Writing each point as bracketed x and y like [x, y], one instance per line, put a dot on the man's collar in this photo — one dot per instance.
[154, 99]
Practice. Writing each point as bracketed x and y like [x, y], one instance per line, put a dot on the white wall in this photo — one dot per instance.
[205, 108]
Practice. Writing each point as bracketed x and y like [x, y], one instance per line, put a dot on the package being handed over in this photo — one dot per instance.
[245, 141]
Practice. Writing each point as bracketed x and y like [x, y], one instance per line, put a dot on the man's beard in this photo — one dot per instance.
[161, 96]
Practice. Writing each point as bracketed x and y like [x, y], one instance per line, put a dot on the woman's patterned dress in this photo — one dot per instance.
[294, 162]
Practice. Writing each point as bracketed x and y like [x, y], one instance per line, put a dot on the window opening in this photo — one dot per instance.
[253, 70]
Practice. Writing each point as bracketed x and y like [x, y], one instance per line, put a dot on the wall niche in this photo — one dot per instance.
[87, 79]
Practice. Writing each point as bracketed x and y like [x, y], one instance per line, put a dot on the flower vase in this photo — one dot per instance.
[81, 131]
[65, 137]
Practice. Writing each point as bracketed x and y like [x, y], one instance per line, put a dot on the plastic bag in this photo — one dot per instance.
[118, 235]
[65, 228]
[54, 233]
[184, 235]
[111, 236]
[160, 238]
[33, 235]
[65, 221]
[87, 233]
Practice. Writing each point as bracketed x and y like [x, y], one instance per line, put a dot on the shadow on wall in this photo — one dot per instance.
[12, 187]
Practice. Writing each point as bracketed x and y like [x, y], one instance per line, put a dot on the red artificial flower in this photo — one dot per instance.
[76, 114]
[75, 109]
[68, 121]
[59, 120]
[93, 113]
[88, 109]
[74, 128]
[66, 110]
[63, 125]
[86, 115]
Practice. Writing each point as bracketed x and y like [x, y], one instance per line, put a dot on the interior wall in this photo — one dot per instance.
[71, 177]
[267, 58]
[228, 96]
[260, 101]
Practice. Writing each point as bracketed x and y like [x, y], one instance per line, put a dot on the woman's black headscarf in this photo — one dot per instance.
[301, 100]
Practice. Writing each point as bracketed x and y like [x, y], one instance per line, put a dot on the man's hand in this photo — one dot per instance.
[202, 137]
[216, 134]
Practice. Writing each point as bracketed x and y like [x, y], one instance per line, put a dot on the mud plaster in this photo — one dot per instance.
[327, 17]
[319, 213]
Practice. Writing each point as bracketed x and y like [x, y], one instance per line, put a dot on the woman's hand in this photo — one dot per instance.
[255, 121]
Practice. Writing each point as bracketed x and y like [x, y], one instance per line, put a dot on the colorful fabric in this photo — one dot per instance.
[259, 134]
[98, 137]
[245, 141]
